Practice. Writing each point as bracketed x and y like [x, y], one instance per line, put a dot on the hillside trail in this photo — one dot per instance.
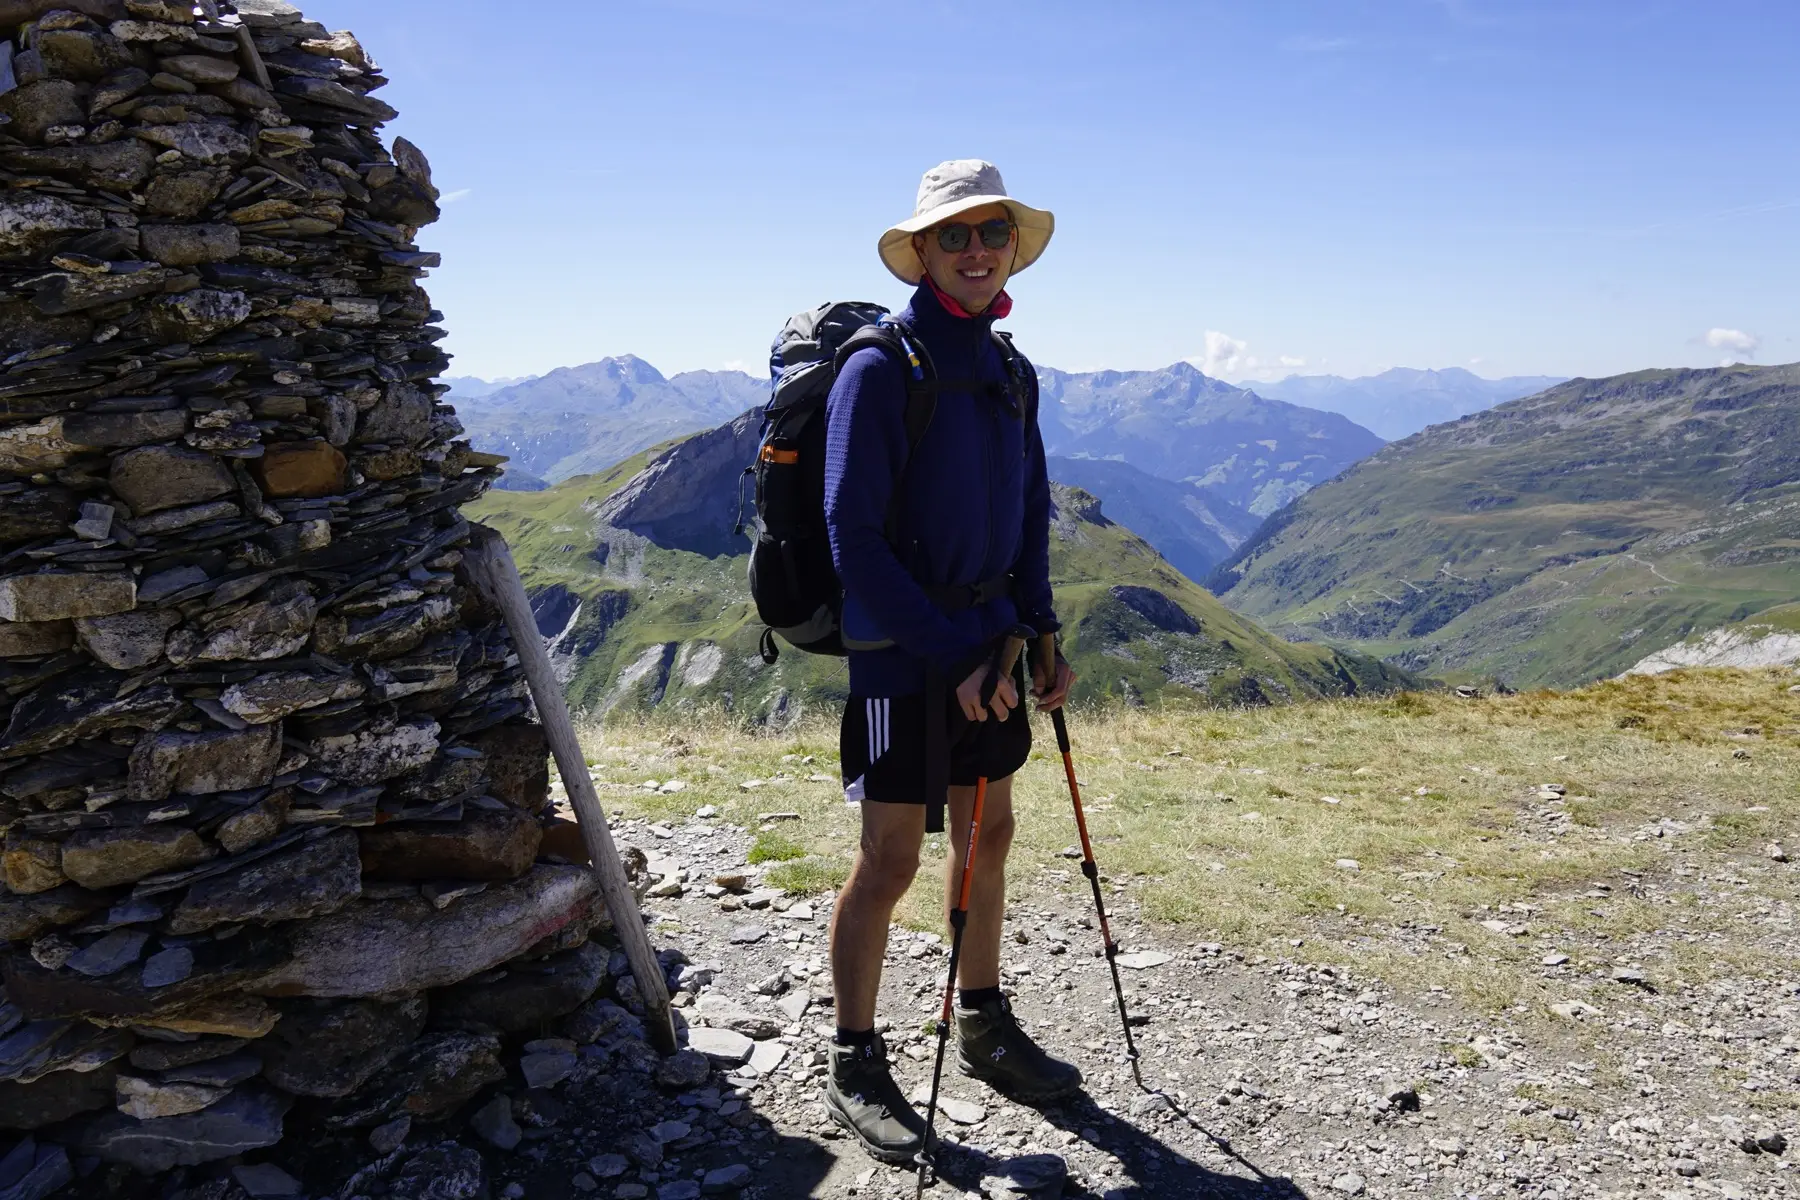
[1288, 1080]
[1653, 569]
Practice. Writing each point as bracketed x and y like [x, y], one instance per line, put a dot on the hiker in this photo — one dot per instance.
[942, 547]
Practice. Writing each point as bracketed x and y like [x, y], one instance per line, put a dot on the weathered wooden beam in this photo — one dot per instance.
[495, 575]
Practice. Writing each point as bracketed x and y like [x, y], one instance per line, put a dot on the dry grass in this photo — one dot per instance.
[1218, 820]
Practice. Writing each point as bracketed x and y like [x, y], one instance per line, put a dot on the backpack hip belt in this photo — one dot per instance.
[950, 598]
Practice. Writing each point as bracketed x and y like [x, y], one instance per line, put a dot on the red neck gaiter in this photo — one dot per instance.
[999, 310]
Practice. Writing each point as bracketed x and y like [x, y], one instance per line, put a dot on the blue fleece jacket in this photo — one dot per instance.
[974, 505]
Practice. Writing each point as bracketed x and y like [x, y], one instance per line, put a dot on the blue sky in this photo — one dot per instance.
[1264, 186]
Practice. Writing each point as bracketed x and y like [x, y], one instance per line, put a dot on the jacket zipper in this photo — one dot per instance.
[987, 549]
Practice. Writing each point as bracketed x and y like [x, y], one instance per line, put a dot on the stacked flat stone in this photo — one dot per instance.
[273, 808]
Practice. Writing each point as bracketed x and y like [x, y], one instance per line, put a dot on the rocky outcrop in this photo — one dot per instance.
[1768, 640]
[1156, 608]
[687, 497]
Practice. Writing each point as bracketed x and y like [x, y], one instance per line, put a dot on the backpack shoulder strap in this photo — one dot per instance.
[904, 347]
[1024, 376]
[893, 338]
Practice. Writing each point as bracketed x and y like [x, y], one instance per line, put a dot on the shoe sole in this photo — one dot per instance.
[893, 1158]
[1013, 1093]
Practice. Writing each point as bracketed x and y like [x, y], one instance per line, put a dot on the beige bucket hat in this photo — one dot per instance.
[956, 187]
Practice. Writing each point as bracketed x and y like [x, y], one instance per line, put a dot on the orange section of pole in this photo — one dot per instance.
[968, 878]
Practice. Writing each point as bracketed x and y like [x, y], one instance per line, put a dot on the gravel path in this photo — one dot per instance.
[1284, 1079]
[1287, 1079]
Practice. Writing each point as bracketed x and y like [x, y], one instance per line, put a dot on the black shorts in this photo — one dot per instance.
[881, 746]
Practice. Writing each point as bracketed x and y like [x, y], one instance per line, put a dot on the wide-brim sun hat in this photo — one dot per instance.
[950, 189]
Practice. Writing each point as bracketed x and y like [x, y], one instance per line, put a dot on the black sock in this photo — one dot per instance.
[855, 1037]
[976, 997]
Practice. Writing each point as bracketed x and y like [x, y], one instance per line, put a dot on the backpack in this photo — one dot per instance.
[793, 581]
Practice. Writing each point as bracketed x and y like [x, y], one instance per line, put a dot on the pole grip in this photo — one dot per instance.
[1062, 730]
[1005, 655]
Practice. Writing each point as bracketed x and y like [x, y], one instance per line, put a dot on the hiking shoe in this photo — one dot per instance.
[861, 1095]
[991, 1047]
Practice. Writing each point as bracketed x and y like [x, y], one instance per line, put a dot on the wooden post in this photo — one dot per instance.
[496, 576]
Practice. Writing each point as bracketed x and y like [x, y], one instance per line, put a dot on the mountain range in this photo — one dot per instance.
[466, 387]
[579, 420]
[638, 583]
[1400, 402]
[1179, 424]
[1550, 540]
[1193, 463]
[1188, 462]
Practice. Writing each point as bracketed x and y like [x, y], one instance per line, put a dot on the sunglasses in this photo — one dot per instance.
[954, 237]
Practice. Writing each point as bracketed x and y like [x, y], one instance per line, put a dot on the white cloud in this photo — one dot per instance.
[1225, 356]
[453, 197]
[735, 364]
[1735, 340]
[1229, 358]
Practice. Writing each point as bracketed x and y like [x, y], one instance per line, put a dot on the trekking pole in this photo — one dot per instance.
[1004, 657]
[1092, 870]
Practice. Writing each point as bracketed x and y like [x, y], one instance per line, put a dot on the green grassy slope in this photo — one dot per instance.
[659, 625]
[1551, 540]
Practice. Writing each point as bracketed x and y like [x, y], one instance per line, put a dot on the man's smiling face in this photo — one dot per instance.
[974, 275]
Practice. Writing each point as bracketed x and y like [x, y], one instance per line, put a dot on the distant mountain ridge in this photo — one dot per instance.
[1400, 402]
[1180, 424]
[579, 420]
[1219, 458]
[1191, 463]
[468, 387]
[1551, 540]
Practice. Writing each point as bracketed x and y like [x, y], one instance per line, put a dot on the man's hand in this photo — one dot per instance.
[968, 696]
[1051, 677]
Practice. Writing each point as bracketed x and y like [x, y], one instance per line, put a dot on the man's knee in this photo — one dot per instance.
[995, 843]
[996, 832]
[888, 864]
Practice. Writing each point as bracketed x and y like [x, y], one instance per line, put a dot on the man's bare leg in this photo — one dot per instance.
[883, 870]
[980, 965]
[860, 1092]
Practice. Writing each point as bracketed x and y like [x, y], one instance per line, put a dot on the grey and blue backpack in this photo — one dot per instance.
[793, 581]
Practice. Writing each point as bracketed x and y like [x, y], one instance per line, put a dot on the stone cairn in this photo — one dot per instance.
[276, 821]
